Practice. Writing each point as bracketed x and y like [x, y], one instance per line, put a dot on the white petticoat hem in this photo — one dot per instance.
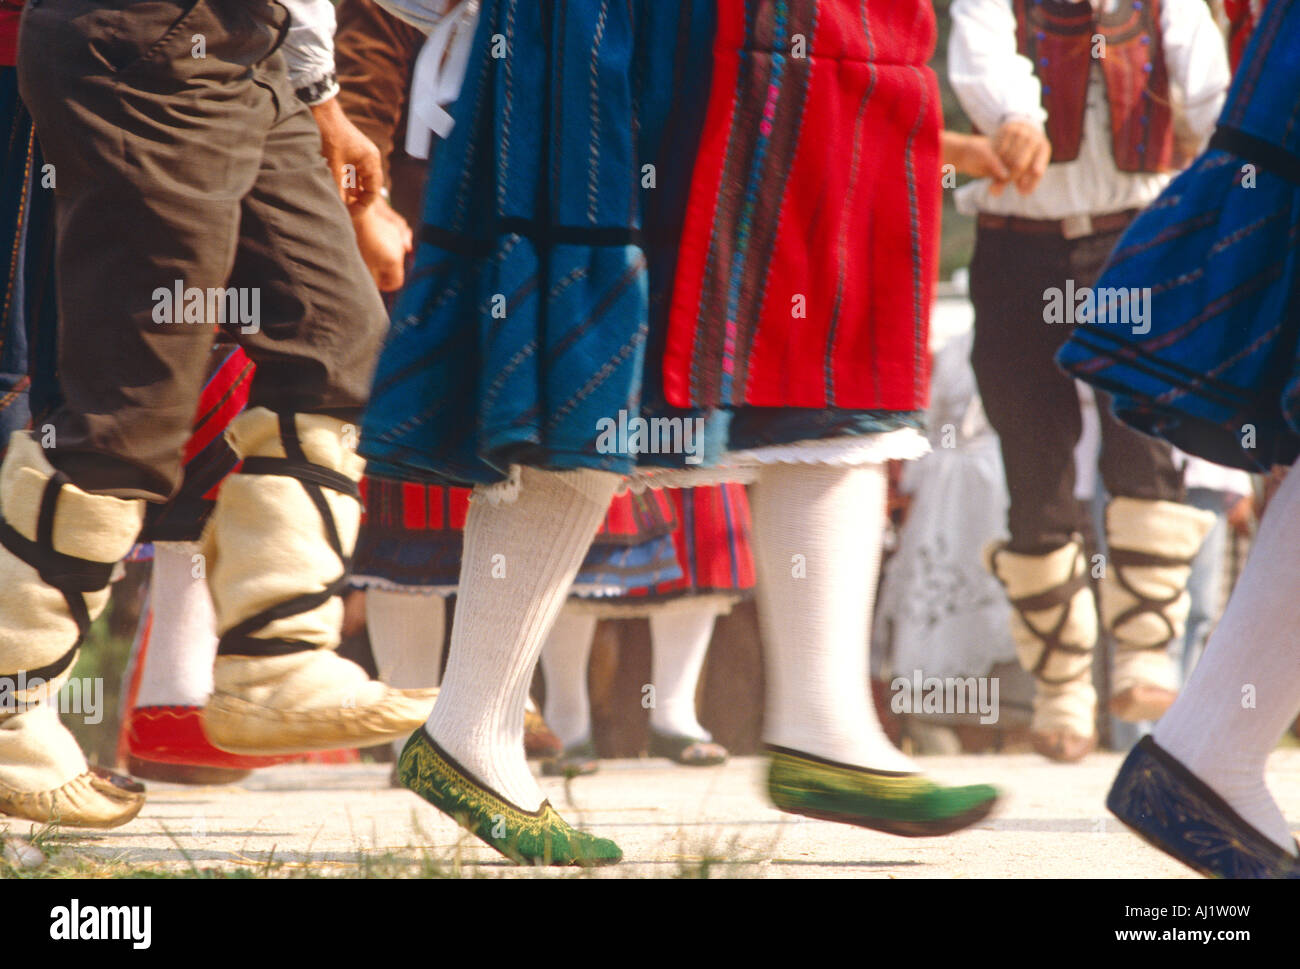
[904, 444]
[583, 589]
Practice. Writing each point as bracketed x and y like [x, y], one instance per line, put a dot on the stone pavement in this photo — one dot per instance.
[670, 821]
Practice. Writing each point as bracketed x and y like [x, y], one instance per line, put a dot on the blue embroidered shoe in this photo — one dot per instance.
[1171, 809]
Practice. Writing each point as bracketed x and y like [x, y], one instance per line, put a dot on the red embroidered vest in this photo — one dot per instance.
[1058, 37]
[11, 12]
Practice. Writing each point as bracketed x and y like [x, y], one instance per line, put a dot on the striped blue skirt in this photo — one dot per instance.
[536, 315]
[1207, 355]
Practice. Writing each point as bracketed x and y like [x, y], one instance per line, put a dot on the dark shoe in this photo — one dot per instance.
[576, 761]
[690, 751]
[909, 805]
[538, 837]
[194, 774]
[118, 780]
[1172, 809]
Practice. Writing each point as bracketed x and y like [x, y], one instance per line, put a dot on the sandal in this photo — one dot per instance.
[577, 761]
[689, 751]
[539, 739]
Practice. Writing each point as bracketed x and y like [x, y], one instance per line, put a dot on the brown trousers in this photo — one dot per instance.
[190, 192]
[1033, 404]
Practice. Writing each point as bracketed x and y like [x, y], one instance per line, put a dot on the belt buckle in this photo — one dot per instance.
[1076, 226]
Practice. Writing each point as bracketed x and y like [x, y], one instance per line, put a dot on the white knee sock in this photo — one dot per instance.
[564, 664]
[1245, 691]
[817, 531]
[519, 561]
[679, 637]
[183, 638]
[406, 634]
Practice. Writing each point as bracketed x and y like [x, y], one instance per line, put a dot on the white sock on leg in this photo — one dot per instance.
[564, 665]
[1245, 691]
[183, 638]
[519, 561]
[817, 531]
[406, 636]
[679, 638]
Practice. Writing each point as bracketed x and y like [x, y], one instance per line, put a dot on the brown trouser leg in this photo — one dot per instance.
[198, 173]
[1033, 404]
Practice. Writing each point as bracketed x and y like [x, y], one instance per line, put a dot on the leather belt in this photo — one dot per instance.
[1071, 227]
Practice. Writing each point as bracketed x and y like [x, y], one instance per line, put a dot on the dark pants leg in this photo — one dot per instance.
[203, 172]
[1032, 404]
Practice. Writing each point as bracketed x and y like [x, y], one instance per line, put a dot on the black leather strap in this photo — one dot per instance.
[71, 576]
[49, 671]
[1121, 558]
[303, 471]
[1057, 596]
[1268, 156]
[239, 639]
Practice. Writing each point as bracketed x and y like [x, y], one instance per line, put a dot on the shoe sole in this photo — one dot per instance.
[904, 829]
[1163, 848]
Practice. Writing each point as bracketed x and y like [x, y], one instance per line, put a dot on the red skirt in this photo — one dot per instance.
[808, 258]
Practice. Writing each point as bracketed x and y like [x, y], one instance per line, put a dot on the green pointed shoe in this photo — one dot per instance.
[910, 805]
[538, 837]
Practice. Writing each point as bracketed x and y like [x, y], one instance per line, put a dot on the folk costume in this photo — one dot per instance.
[1099, 78]
[169, 673]
[690, 550]
[563, 283]
[234, 221]
[712, 543]
[1215, 375]
[42, 770]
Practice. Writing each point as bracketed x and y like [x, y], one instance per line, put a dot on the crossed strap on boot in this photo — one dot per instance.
[1054, 625]
[1144, 600]
[279, 546]
[58, 546]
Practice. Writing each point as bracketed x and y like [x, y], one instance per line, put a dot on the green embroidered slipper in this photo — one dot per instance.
[910, 805]
[538, 837]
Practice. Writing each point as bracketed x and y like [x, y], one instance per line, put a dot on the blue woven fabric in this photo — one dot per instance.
[526, 319]
[538, 304]
[1215, 261]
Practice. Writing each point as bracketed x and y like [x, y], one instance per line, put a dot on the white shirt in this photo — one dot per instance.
[994, 83]
[309, 47]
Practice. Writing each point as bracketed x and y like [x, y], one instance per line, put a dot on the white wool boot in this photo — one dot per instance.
[1054, 625]
[1144, 600]
[278, 549]
[44, 776]
[58, 546]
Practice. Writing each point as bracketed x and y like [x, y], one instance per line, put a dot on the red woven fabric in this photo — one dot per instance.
[10, 14]
[1058, 37]
[807, 262]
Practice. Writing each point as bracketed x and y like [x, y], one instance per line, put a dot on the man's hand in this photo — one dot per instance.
[385, 240]
[974, 155]
[1025, 151]
[352, 157]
